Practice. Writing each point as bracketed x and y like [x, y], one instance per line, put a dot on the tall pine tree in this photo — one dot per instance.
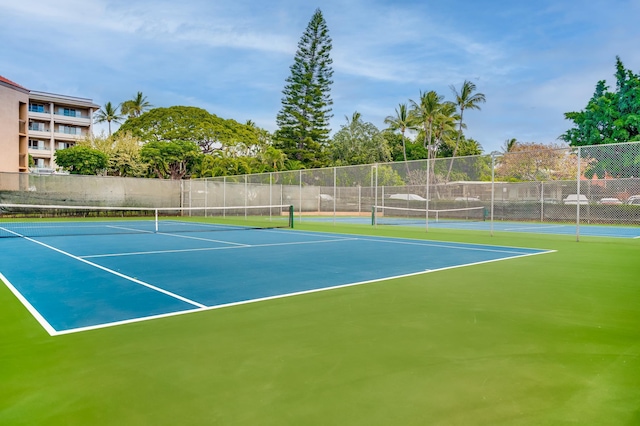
[303, 121]
[610, 116]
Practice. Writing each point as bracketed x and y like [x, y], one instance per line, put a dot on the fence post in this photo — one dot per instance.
[578, 174]
[493, 189]
[428, 194]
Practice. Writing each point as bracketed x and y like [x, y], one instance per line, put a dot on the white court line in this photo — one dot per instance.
[448, 246]
[214, 248]
[126, 277]
[434, 243]
[43, 322]
[190, 237]
[528, 228]
[298, 293]
[137, 231]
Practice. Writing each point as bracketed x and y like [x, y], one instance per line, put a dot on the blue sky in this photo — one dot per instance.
[534, 60]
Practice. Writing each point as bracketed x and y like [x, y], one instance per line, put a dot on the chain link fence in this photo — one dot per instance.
[99, 191]
[586, 185]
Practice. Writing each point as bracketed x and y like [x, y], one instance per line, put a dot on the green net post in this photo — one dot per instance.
[291, 216]
[373, 215]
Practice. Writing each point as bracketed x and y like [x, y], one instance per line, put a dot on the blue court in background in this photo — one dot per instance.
[75, 283]
[499, 226]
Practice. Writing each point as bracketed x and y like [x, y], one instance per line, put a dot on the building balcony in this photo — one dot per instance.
[39, 150]
[39, 133]
[76, 121]
[70, 136]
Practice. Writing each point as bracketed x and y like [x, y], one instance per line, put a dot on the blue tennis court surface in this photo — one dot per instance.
[535, 228]
[75, 283]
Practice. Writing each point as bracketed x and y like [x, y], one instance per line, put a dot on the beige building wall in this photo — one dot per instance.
[14, 102]
[56, 122]
[38, 124]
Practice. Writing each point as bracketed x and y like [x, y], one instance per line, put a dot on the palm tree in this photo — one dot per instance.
[423, 114]
[465, 99]
[136, 106]
[445, 125]
[273, 157]
[401, 121]
[108, 113]
[509, 144]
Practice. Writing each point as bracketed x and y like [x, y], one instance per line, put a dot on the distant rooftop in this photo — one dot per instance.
[53, 97]
[8, 82]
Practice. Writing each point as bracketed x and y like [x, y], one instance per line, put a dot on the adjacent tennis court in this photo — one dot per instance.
[80, 282]
[476, 219]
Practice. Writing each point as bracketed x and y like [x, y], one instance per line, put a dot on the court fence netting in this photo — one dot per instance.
[597, 184]
[31, 220]
[386, 215]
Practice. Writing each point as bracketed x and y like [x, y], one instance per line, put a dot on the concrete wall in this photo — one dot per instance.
[13, 104]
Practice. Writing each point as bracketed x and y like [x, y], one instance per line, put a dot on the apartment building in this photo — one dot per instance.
[34, 125]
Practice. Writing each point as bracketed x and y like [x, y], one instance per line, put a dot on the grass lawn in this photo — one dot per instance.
[552, 339]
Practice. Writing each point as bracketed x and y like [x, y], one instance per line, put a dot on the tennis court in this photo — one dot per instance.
[480, 223]
[81, 282]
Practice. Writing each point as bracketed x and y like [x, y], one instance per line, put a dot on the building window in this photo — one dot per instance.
[36, 144]
[36, 126]
[40, 163]
[70, 130]
[69, 112]
[64, 145]
[36, 108]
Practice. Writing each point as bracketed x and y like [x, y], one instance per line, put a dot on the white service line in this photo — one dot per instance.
[111, 271]
[190, 237]
[215, 248]
[447, 246]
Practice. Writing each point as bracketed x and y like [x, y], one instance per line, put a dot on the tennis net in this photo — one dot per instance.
[384, 215]
[29, 220]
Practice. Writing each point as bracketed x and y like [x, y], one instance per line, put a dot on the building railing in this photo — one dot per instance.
[73, 114]
[38, 127]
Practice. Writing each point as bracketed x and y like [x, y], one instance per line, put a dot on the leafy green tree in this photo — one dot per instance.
[465, 99]
[609, 117]
[532, 161]
[123, 152]
[466, 147]
[180, 123]
[136, 106]
[108, 113]
[303, 121]
[222, 165]
[174, 160]
[359, 142]
[81, 160]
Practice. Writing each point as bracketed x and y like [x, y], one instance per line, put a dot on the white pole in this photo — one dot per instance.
[334, 194]
[246, 196]
[493, 189]
[428, 195]
[578, 201]
[541, 201]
